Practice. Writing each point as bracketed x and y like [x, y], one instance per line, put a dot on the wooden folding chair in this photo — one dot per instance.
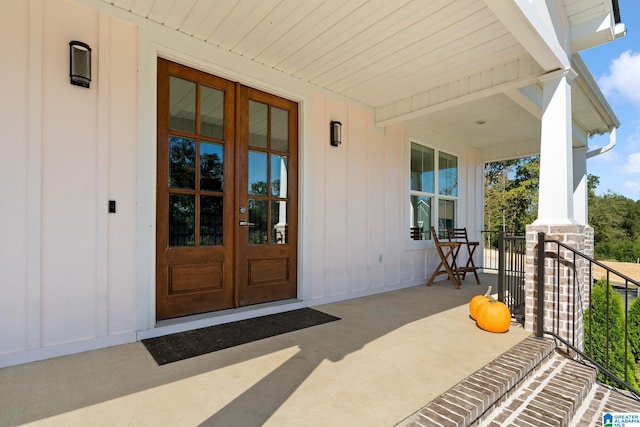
[447, 252]
[460, 235]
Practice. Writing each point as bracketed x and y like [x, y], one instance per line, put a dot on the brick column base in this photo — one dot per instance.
[563, 314]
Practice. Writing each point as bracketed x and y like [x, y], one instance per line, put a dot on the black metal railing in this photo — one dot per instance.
[490, 255]
[572, 275]
[506, 255]
[511, 258]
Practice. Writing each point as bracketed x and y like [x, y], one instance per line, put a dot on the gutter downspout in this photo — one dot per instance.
[609, 146]
[596, 97]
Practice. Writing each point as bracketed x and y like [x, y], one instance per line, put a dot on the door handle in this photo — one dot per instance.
[245, 223]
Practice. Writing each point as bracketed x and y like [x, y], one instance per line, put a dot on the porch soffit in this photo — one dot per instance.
[400, 56]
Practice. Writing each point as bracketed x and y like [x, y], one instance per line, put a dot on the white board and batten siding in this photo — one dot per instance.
[68, 278]
[74, 277]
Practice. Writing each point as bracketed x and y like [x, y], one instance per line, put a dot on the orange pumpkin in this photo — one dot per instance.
[476, 302]
[494, 316]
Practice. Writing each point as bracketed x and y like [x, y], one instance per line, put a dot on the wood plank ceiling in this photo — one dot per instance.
[376, 52]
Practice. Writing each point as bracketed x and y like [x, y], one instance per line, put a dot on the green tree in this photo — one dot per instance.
[604, 334]
[511, 200]
[511, 194]
[616, 223]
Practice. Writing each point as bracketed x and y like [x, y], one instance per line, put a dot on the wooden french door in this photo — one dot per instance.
[267, 197]
[226, 194]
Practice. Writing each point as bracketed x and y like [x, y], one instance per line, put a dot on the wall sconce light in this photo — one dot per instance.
[79, 63]
[335, 131]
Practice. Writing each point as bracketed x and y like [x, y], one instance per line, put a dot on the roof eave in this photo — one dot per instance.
[595, 95]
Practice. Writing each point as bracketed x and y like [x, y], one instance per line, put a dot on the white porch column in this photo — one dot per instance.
[580, 205]
[555, 200]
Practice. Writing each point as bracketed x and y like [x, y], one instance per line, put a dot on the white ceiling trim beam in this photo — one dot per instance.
[517, 73]
[523, 21]
[529, 98]
[520, 150]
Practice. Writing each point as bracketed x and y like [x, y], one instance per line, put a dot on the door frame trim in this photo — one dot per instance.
[172, 49]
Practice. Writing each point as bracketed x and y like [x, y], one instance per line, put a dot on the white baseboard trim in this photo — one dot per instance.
[49, 352]
[186, 324]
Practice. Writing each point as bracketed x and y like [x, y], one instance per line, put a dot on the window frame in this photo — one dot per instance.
[435, 196]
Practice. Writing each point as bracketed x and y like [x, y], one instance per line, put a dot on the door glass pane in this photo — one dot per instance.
[257, 173]
[257, 222]
[421, 215]
[211, 166]
[279, 176]
[279, 226]
[279, 129]
[446, 214]
[211, 112]
[258, 124]
[422, 170]
[447, 174]
[210, 220]
[181, 220]
[182, 159]
[182, 105]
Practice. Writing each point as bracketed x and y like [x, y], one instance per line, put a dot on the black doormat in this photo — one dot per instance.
[183, 345]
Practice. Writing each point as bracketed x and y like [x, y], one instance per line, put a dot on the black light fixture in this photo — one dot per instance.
[335, 130]
[79, 63]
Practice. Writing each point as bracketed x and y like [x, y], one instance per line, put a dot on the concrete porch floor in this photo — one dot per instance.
[388, 356]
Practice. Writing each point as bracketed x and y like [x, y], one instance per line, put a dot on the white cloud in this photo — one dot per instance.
[633, 140]
[633, 189]
[632, 164]
[622, 80]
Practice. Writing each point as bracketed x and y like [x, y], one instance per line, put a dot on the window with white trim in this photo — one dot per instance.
[432, 195]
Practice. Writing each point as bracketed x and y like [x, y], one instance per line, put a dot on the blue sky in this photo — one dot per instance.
[616, 68]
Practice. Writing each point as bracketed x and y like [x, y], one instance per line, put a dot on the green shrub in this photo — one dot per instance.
[599, 319]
